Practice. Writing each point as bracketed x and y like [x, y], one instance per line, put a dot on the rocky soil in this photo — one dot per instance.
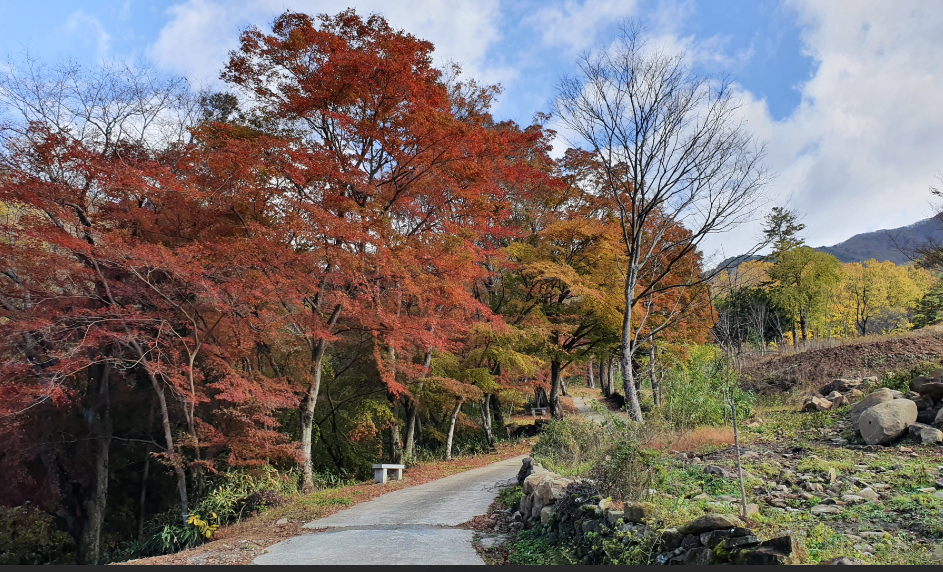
[780, 373]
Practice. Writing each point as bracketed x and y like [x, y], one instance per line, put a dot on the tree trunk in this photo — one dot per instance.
[628, 356]
[100, 426]
[804, 327]
[308, 403]
[604, 377]
[613, 365]
[448, 441]
[656, 395]
[141, 502]
[556, 379]
[411, 409]
[496, 410]
[590, 382]
[628, 386]
[485, 406]
[396, 444]
[175, 458]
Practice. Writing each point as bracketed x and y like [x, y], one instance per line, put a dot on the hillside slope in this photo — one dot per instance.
[881, 245]
[815, 368]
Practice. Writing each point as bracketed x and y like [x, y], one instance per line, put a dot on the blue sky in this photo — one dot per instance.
[761, 39]
[847, 93]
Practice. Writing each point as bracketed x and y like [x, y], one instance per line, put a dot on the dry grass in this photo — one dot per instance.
[568, 408]
[703, 438]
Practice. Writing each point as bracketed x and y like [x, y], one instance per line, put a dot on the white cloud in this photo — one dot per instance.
[200, 33]
[865, 142]
[575, 25]
[80, 24]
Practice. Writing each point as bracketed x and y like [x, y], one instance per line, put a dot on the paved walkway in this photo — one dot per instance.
[408, 526]
[586, 410]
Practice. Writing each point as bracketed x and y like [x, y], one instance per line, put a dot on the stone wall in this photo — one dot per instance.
[603, 531]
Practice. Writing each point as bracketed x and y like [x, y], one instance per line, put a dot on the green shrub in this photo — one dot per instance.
[530, 547]
[900, 380]
[694, 391]
[232, 495]
[29, 536]
[510, 497]
[240, 493]
[569, 446]
[628, 472]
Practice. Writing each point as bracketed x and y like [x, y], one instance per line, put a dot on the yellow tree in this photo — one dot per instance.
[804, 279]
[882, 289]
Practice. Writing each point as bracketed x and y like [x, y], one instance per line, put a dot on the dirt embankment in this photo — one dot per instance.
[815, 368]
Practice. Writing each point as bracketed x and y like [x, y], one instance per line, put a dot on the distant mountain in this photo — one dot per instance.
[881, 245]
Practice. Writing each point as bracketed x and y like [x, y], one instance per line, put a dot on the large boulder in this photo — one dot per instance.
[879, 396]
[923, 401]
[853, 395]
[550, 490]
[531, 502]
[928, 416]
[918, 382]
[886, 421]
[534, 479]
[638, 511]
[771, 552]
[933, 390]
[938, 420]
[926, 434]
[710, 522]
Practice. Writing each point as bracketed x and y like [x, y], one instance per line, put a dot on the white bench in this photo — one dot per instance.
[379, 472]
[534, 410]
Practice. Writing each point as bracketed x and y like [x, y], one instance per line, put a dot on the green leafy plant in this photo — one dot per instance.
[30, 536]
[204, 527]
[694, 391]
[240, 493]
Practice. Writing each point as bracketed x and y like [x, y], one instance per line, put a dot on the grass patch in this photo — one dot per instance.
[318, 499]
[510, 497]
[532, 548]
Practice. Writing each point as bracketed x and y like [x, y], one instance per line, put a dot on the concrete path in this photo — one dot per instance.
[408, 526]
[582, 405]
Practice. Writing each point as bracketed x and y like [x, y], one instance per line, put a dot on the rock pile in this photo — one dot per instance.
[572, 510]
[541, 489]
[838, 393]
[886, 415]
[720, 539]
